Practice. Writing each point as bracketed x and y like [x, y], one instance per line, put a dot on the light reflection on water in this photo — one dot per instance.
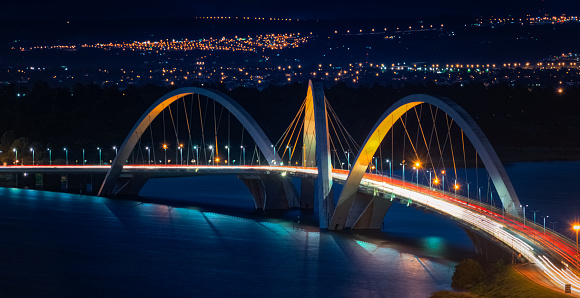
[64, 245]
[204, 237]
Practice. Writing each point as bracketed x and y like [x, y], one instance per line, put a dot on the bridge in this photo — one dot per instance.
[368, 191]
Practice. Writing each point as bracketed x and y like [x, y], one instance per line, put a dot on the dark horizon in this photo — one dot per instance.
[322, 10]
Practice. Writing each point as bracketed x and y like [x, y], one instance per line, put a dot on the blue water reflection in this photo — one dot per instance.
[206, 239]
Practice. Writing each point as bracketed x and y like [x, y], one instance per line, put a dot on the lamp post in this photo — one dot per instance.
[468, 189]
[100, 156]
[443, 180]
[479, 194]
[403, 164]
[165, 148]
[66, 155]
[417, 166]
[289, 155]
[524, 210]
[535, 215]
[545, 223]
[347, 158]
[244, 154]
[16, 157]
[228, 147]
[181, 154]
[49, 156]
[84, 160]
[211, 156]
[148, 154]
[390, 169]
[196, 155]
[576, 228]
[429, 179]
[554, 225]
[456, 187]
[32, 150]
[115, 147]
[273, 156]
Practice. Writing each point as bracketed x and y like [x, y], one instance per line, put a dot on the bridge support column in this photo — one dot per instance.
[130, 186]
[307, 193]
[492, 250]
[323, 189]
[271, 192]
[367, 212]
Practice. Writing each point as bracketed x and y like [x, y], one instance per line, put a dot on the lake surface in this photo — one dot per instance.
[202, 237]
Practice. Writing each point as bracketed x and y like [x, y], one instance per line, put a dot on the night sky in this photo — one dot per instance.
[322, 9]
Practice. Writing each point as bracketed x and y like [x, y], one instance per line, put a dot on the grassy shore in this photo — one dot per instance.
[507, 283]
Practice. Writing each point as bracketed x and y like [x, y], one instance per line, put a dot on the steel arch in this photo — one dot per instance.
[473, 132]
[227, 102]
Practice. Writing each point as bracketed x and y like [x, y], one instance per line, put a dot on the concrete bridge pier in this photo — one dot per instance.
[368, 211]
[491, 250]
[129, 185]
[271, 191]
[307, 193]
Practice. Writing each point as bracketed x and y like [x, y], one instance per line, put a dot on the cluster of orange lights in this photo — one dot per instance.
[246, 44]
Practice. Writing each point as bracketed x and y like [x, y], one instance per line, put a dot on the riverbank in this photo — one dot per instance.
[509, 282]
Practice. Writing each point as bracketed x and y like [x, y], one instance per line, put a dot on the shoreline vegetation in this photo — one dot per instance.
[496, 280]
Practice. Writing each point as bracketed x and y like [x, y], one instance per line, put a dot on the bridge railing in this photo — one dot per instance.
[539, 229]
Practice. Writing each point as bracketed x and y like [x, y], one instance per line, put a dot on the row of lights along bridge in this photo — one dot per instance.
[433, 182]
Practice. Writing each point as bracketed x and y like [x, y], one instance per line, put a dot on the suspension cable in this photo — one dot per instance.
[451, 143]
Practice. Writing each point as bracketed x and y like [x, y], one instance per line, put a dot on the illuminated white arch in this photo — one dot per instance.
[473, 132]
[227, 102]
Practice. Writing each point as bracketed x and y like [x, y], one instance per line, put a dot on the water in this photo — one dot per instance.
[213, 243]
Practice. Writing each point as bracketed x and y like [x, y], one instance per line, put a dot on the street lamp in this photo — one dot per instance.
[347, 158]
[273, 156]
[211, 156]
[468, 189]
[244, 153]
[181, 153]
[196, 155]
[390, 170]
[535, 215]
[66, 155]
[165, 149]
[100, 156]
[479, 194]
[456, 187]
[576, 228]
[115, 147]
[148, 154]
[16, 157]
[443, 180]
[417, 166]
[524, 210]
[49, 156]
[229, 161]
[545, 223]
[289, 155]
[32, 150]
[429, 179]
[403, 164]
[84, 160]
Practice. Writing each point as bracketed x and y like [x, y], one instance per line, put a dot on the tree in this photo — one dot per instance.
[467, 273]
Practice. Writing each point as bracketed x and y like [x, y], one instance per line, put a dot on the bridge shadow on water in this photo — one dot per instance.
[405, 229]
[174, 242]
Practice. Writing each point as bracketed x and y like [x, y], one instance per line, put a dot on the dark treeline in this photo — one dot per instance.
[522, 123]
